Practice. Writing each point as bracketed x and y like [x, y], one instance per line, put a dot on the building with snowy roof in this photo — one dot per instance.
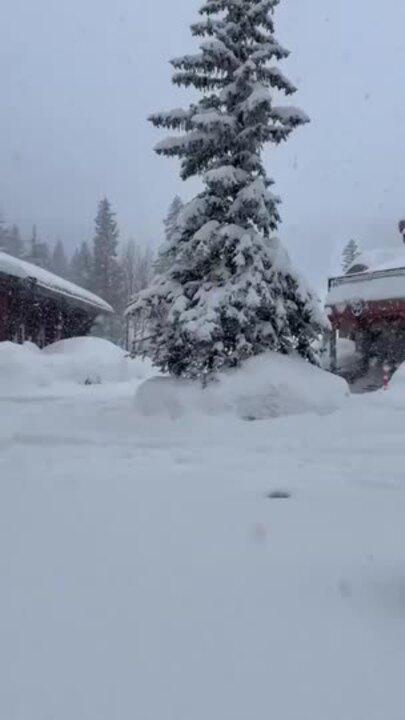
[367, 305]
[42, 307]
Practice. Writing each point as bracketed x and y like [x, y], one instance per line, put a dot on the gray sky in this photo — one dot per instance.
[79, 77]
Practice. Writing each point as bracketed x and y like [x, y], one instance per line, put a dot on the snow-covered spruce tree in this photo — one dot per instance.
[350, 252]
[59, 262]
[228, 290]
[172, 234]
[172, 218]
[107, 276]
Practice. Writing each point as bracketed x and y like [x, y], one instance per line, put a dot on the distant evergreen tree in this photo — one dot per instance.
[172, 234]
[38, 253]
[105, 244]
[228, 290]
[3, 235]
[350, 252]
[59, 262]
[81, 267]
[107, 275]
[15, 243]
[171, 220]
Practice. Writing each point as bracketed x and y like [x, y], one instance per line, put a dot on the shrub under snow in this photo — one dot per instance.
[269, 385]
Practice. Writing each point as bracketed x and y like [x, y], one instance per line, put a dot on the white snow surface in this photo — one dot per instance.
[24, 270]
[387, 258]
[270, 385]
[85, 360]
[146, 574]
[368, 289]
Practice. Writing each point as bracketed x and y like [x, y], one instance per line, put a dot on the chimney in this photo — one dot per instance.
[401, 227]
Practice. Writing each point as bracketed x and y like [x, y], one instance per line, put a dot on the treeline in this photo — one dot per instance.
[113, 269]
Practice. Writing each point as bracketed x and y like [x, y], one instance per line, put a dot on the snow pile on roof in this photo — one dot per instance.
[366, 287]
[78, 361]
[24, 270]
[267, 386]
[381, 259]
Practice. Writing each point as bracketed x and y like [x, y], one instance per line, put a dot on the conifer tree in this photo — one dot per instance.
[59, 263]
[107, 275]
[105, 243]
[350, 252]
[15, 243]
[229, 291]
[3, 234]
[171, 220]
[81, 267]
[172, 234]
[38, 253]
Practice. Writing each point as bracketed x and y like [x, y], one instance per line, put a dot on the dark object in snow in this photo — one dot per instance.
[279, 495]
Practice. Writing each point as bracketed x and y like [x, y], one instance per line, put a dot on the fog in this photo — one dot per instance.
[79, 78]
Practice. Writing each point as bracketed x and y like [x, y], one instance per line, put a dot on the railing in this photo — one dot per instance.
[365, 277]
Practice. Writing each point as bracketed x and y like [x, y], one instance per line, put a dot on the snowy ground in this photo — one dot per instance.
[146, 575]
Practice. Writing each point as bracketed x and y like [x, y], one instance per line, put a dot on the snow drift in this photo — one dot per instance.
[267, 386]
[396, 386]
[83, 360]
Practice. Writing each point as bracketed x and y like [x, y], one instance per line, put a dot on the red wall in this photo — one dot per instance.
[3, 317]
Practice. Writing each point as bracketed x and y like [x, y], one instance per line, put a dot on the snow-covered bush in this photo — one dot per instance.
[267, 386]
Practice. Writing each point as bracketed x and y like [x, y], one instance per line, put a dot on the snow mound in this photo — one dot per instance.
[87, 360]
[397, 382]
[84, 361]
[21, 367]
[268, 386]
[93, 360]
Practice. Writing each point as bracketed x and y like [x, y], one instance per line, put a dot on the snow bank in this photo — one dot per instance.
[397, 383]
[21, 367]
[267, 386]
[85, 361]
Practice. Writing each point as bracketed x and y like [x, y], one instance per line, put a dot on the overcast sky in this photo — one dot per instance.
[79, 77]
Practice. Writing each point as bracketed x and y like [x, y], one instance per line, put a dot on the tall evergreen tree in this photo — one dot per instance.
[38, 253]
[172, 218]
[59, 262]
[228, 290]
[81, 267]
[172, 234]
[15, 243]
[105, 243]
[3, 234]
[107, 275]
[350, 252]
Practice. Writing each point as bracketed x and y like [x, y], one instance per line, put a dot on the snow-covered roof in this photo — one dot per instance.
[368, 286]
[382, 279]
[49, 281]
[381, 259]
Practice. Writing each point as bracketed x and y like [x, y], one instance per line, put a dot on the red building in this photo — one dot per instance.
[39, 306]
[367, 305]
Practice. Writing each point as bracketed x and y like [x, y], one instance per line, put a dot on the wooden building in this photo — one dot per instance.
[367, 306]
[39, 306]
